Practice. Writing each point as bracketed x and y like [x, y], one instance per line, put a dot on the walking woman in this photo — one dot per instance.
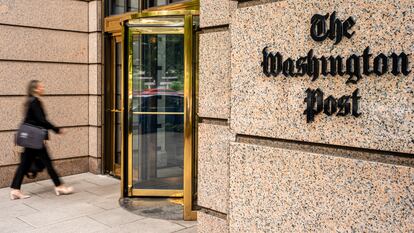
[36, 116]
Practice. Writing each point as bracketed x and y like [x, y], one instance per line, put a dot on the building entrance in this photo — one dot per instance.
[159, 53]
[151, 112]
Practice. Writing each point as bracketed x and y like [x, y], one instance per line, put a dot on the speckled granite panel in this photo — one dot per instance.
[19, 43]
[72, 143]
[62, 111]
[95, 110]
[67, 15]
[57, 78]
[7, 155]
[95, 142]
[214, 78]
[278, 190]
[213, 166]
[67, 110]
[95, 79]
[274, 107]
[95, 165]
[95, 17]
[95, 40]
[208, 224]
[214, 13]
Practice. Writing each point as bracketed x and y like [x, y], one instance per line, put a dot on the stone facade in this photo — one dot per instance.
[285, 174]
[59, 43]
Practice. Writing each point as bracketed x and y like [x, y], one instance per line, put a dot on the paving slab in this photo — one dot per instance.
[147, 225]
[78, 225]
[107, 203]
[185, 223]
[36, 188]
[102, 180]
[116, 217]
[12, 225]
[189, 230]
[80, 184]
[17, 210]
[53, 215]
[105, 190]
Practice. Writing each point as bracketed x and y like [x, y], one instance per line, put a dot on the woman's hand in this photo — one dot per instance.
[62, 131]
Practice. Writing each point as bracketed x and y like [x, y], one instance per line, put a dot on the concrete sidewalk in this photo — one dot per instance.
[94, 207]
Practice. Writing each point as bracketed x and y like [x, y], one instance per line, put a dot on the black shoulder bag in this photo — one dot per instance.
[30, 136]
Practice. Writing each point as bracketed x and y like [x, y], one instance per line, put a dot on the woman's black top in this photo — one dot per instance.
[37, 116]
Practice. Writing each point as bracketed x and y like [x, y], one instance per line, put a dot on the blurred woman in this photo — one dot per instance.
[36, 116]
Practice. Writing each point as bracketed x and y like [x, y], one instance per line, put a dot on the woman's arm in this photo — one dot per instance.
[39, 116]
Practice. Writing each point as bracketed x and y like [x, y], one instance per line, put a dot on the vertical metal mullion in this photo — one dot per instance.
[125, 113]
[129, 82]
[188, 117]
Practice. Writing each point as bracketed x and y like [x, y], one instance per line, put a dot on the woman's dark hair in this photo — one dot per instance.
[32, 87]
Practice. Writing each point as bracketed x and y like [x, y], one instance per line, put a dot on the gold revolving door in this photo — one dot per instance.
[159, 58]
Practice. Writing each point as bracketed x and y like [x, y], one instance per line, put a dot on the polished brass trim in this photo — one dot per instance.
[122, 114]
[111, 103]
[165, 13]
[157, 30]
[158, 113]
[112, 24]
[157, 193]
[116, 111]
[166, 21]
[188, 116]
[111, 112]
[141, 31]
[130, 95]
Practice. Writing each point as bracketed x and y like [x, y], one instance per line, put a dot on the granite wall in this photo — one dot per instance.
[59, 43]
[263, 167]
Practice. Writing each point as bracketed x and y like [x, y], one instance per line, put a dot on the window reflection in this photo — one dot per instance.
[117, 7]
[154, 3]
[133, 5]
[158, 111]
[122, 6]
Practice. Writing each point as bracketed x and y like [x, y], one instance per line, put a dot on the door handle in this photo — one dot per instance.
[116, 110]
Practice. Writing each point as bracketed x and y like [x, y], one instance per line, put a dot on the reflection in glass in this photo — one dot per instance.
[117, 7]
[118, 66]
[158, 107]
[154, 3]
[158, 73]
[133, 5]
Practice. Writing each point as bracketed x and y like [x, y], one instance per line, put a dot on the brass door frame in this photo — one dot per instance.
[187, 191]
[116, 168]
[147, 31]
[111, 109]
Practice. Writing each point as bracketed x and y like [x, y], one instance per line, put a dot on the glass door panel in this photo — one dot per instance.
[159, 66]
[117, 109]
[113, 110]
[158, 112]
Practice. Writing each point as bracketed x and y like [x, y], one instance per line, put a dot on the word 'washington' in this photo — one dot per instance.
[354, 66]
